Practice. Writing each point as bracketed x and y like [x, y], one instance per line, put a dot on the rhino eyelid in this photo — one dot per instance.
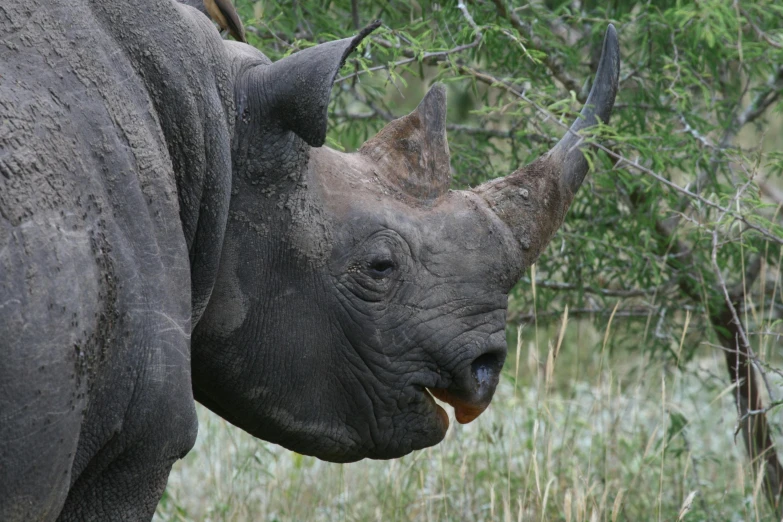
[381, 267]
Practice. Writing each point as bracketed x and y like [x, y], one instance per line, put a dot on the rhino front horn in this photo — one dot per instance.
[533, 200]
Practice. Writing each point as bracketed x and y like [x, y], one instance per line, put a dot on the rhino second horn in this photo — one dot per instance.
[533, 201]
[411, 154]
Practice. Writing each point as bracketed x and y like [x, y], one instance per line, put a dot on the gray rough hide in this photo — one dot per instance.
[171, 229]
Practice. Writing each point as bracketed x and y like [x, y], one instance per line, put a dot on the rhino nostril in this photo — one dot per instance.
[486, 369]
[471, 391]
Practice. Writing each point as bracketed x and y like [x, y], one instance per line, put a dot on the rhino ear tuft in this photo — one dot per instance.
[412, 153]
[295, 91]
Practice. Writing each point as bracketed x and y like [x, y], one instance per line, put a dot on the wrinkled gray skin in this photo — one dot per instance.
[169, 228]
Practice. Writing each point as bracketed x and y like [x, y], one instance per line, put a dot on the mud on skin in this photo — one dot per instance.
[172, 228]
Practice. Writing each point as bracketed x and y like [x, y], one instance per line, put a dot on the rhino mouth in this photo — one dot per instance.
[465, 412]
[444, 416]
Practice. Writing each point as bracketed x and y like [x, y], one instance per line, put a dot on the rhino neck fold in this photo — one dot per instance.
[189, 85]
[188, 80]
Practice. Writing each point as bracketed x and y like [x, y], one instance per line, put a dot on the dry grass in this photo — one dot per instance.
[581, 434]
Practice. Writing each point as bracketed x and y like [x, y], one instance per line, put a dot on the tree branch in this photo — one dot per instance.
[739, 361]
[761, 34]
[355, 14]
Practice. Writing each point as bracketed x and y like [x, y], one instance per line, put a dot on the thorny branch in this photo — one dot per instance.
[466, 14]
[759, 105]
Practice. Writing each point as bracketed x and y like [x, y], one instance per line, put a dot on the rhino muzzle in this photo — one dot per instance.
[473, 388]
[533, 202]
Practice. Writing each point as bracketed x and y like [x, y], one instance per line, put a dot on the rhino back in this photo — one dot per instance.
[95, 275]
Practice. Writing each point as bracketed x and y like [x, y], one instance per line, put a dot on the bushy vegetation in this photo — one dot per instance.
[668, 267]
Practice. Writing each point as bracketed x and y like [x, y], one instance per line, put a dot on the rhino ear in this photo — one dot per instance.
[294, 92]
[411, 153]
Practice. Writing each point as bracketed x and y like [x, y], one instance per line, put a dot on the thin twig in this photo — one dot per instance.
[466, 14]
[556, 285]
[428, 58]
[554, 67]
[761, 34]
[355, 14]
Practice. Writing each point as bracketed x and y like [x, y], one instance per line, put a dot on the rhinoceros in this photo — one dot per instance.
[172, 229]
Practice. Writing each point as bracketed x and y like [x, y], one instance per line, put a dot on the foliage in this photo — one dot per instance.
[678, 230]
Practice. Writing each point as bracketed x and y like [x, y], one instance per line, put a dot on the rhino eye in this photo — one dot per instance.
[380, 268]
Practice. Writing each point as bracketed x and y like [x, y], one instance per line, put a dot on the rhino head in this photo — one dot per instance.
[353, 288]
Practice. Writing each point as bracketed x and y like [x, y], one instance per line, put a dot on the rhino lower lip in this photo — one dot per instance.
[441, 412]
[463, 411]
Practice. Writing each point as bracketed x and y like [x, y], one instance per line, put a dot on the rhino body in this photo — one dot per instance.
[171, 229]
